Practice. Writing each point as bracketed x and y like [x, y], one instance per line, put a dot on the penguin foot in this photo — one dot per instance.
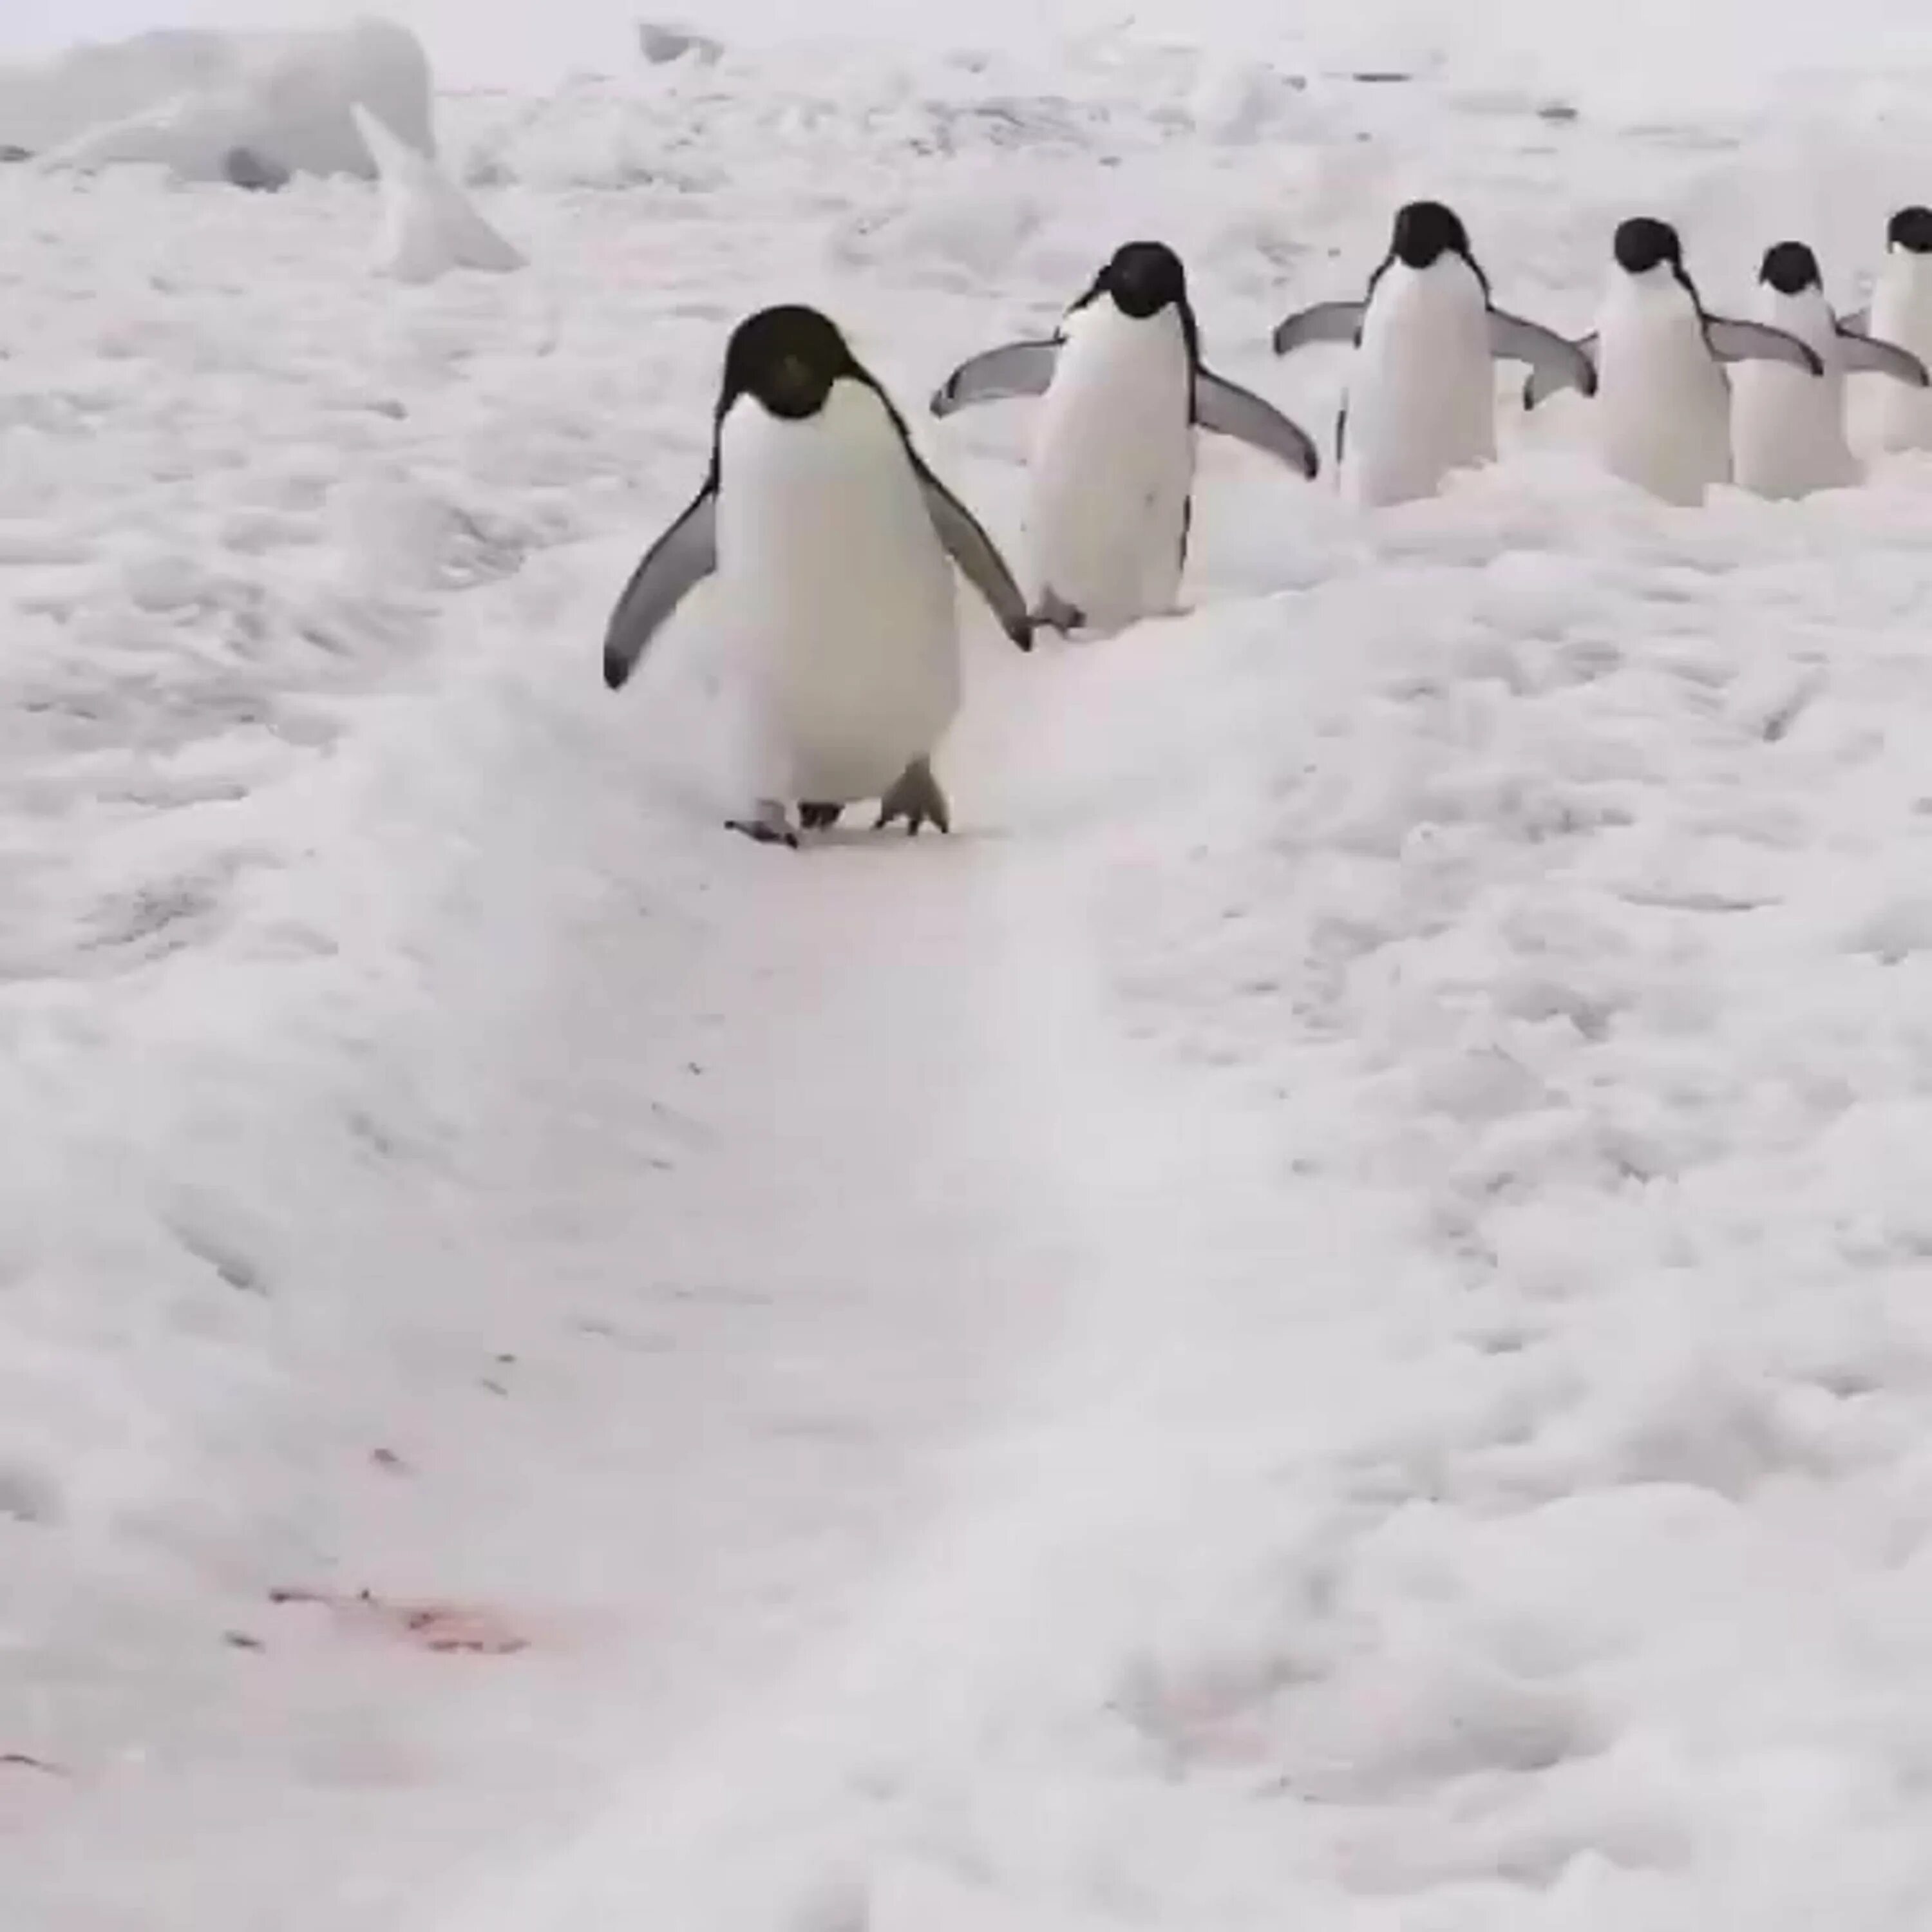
[1055, 613]
[767, 826]
[916, 798]
[819, 817]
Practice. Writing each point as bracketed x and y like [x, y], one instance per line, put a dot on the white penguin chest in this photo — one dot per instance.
[824, 517]
[1901, 308]
[1422, 391]
[1113, 458]
[841, 595]
[1787, 425]
[1901, 312]
[1662, 404]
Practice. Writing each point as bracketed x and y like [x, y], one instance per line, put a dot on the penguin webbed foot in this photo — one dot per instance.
[1053, 613]
[767, 826]
[819, 817]
[916, 797]
[760, 833]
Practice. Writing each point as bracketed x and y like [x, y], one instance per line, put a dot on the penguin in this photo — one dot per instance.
[1111, 475]
[831, 538]
[1421, 398]
[1787, 431]
[1663, 400]
[1901, 314]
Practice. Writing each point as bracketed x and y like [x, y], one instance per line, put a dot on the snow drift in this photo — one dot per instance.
[209, 105]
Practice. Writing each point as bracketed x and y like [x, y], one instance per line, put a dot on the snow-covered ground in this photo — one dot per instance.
[1318, 1319]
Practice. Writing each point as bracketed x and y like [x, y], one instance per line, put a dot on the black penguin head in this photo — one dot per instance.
[1643, 242]
[1424, 231]
[1790, 268]
[1911, 228]
[787, 358]
[1143, 278]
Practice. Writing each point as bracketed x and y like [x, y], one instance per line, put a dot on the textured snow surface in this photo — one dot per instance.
[1320, 1319]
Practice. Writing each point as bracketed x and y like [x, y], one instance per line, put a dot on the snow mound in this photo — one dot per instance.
[251, 107]
[429, 226]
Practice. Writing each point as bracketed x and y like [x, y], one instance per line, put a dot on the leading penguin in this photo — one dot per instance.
[1787, 431]
[1111, 478]
[1662, 409]
[1901, 313]
[1421, 399]
[831, 538]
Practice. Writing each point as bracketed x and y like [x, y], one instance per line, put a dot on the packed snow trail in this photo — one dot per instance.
[1164, 1233]
[755, 1212]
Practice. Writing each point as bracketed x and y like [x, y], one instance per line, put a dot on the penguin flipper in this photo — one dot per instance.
[1014, 369]
[1563, 365]
[1547, 375]
[1873, 355]
[1228, 410]
[1326, 321]
[672, 568]
[1734, 341]
[979, 561]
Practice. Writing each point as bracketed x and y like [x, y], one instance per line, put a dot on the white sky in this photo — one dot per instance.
[520, 30]
[509, 40]
[1666, 44]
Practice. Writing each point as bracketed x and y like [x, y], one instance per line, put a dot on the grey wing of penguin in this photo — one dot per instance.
[1326, 321]
[979, 560]
[672, 568]
[1549, 374]
[1873, 355]
[1558, 362]
[1014, 369]
[1228, 410]
[1734, 341]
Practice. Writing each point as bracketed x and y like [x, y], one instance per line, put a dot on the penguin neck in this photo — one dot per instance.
[1902, 302]
[1442, 304]
[1105, 345]
[1908, 268]
[1449, 282]
[1655, 301]
[1805, 314]
[757, 449]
